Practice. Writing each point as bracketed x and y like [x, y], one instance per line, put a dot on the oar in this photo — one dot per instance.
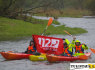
[68, 33]
[93, 50]
[49, 23]
[84, 57]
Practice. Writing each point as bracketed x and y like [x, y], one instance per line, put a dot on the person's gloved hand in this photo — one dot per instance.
[74, 38]
[83, 43]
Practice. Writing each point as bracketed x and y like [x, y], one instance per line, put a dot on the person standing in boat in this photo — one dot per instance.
[31, 48]
[79, 48]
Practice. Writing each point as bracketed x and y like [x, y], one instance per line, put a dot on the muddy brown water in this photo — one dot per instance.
[20, 46]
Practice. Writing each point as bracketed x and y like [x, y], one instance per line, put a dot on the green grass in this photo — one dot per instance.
[12, 29]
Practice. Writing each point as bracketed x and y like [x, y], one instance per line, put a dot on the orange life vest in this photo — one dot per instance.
[79, 49]
[67, 52]
[30, 48]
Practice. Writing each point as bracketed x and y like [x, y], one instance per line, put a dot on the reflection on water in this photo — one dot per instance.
[20, 46]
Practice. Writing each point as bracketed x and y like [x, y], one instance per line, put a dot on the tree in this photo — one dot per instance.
[76, 4]
[90, 5]
[11, 8]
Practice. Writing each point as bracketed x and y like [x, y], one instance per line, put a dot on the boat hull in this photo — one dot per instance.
[14, 56]
[51, 58]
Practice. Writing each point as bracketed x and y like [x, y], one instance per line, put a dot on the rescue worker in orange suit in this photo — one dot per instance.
[31, 48]
[79, 48]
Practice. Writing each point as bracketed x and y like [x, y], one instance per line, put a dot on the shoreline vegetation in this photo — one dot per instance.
[77, 13]
[13, 29]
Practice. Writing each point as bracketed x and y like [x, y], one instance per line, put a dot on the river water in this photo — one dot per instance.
[20, 46]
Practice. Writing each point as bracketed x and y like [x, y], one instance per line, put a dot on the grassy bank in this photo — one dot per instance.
[68, 12]
[11, 29]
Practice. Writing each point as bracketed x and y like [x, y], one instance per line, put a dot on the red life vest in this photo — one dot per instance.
[30, 48]
[79, 49]
[66, 52]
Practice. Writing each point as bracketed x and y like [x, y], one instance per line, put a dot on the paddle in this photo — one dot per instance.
[49, 23]
[68, 33]
[93, 50]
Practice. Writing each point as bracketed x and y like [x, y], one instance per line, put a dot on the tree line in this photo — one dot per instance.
[81, 4]
[12, 8]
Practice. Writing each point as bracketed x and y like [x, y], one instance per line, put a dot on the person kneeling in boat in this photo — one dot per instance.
[68, 49]
[79, 48]
[31, 48]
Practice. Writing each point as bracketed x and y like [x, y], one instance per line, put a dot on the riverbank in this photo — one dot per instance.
[12, 29]
[68, 12]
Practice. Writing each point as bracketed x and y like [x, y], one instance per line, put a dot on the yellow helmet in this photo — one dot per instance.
[77, 41]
